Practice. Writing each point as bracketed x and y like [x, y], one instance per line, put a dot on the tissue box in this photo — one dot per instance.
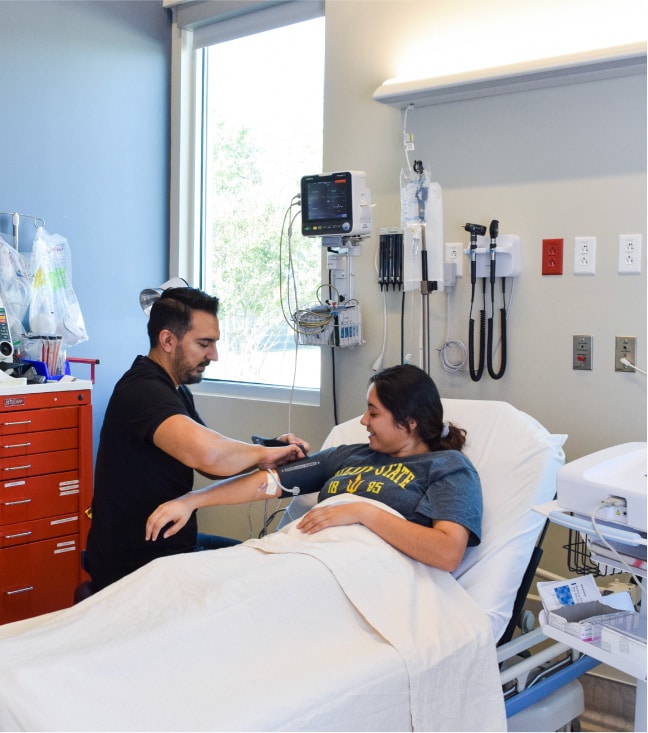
[572, 606]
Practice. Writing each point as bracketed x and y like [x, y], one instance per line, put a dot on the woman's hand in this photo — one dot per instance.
[442, 545]
[321, 517]
[177, 512]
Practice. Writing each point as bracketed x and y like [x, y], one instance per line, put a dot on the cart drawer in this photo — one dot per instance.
[13, 467]
[38, 577]
[39, 496]
[38, 529]
[38, 442]
[28, 421]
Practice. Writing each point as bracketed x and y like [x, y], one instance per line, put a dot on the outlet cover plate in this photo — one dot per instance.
[629, 254]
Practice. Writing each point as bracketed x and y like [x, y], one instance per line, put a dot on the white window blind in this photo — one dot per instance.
[216, 21]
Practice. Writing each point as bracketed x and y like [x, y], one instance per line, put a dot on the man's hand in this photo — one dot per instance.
[303, 444]
[177, 512]
[274, 457]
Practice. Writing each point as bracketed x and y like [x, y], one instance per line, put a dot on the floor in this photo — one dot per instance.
[609, 703]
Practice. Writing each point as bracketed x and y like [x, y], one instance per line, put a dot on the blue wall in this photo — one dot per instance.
[84, 131]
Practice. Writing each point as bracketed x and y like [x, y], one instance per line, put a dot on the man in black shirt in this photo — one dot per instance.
[152, 439]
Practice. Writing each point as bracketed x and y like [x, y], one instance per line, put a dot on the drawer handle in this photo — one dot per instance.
[17, 468]
[14, 536]
[17, 445]
[15, 503]
[20, 590]
[18, 422]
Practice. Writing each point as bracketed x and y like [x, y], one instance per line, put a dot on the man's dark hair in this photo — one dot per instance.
[173, 311]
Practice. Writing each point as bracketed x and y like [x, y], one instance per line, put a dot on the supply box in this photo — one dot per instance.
[576, 607]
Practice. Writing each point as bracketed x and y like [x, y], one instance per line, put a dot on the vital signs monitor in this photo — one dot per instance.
[335, 204]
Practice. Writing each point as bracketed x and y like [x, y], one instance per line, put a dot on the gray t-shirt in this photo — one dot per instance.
[440, 485]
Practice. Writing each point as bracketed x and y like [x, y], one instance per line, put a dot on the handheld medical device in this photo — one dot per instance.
[476, 230]
[494, 232]
[495, 256]
[335, 204]
[6, 344]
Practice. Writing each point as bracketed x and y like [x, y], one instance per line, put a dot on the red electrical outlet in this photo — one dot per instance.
[552, 256]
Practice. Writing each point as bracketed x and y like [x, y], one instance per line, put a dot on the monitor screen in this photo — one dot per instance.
[326, 203]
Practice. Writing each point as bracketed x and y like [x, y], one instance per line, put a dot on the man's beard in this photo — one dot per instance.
[186, 375]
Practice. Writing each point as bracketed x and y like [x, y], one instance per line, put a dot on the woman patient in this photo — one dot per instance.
[413, 463]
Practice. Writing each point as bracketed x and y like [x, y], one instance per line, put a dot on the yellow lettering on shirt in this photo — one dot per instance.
[354, 485]
[333, 487]
[396, 472]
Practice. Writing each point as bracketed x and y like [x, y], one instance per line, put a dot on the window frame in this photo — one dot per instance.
[194, 26]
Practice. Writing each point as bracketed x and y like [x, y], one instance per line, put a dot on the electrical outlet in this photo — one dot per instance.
[584, 255]
[454, 255]
[625, 347]
[552, 256]
[629, 254]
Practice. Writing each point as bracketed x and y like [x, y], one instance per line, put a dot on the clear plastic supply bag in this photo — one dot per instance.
[15, 288]
[54, 308]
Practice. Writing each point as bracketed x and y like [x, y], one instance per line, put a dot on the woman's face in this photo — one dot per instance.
[385, 435]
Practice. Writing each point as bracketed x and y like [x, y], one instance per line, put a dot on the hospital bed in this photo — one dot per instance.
[333, 631]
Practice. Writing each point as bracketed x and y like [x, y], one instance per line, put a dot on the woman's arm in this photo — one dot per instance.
[306, 475]
[253, 486]
[442, 545]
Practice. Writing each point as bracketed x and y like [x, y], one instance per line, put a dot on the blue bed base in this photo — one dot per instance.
[540, 690]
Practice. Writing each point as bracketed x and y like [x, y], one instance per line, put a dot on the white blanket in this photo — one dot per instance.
[333, 631]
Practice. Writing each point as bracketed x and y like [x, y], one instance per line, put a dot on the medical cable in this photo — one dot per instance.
[494, 231]
[628, 363]
[286, 307]
[402, 329]
[606, 503]
[377, 365]
[449, 344]
[408, 138]
[476, 230]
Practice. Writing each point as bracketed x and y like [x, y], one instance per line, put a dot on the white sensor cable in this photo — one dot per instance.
[621, 562]
[628, 363]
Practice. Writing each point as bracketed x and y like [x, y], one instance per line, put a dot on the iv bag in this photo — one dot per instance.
[415, 190]
[422, 204]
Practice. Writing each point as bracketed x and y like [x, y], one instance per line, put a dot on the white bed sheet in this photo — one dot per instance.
[517, 460]
[334, 631]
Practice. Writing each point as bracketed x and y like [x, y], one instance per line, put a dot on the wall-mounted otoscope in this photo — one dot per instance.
[476, 230]
[495, 256]
[494, 233]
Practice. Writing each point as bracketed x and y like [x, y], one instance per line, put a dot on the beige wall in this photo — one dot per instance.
[557, 162]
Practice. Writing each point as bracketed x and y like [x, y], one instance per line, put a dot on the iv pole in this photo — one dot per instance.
[427, 286]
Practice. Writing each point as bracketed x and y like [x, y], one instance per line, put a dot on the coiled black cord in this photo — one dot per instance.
[491, 370]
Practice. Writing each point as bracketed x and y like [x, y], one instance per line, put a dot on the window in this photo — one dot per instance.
[260, 123]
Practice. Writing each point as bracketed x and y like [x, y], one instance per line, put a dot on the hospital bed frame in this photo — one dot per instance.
[539, 677]
[540, 688]
[540, 685]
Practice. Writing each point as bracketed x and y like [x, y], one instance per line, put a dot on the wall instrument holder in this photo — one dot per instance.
[508, 253]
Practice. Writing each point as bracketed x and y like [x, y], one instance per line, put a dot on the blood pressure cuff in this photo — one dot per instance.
[307, 474]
